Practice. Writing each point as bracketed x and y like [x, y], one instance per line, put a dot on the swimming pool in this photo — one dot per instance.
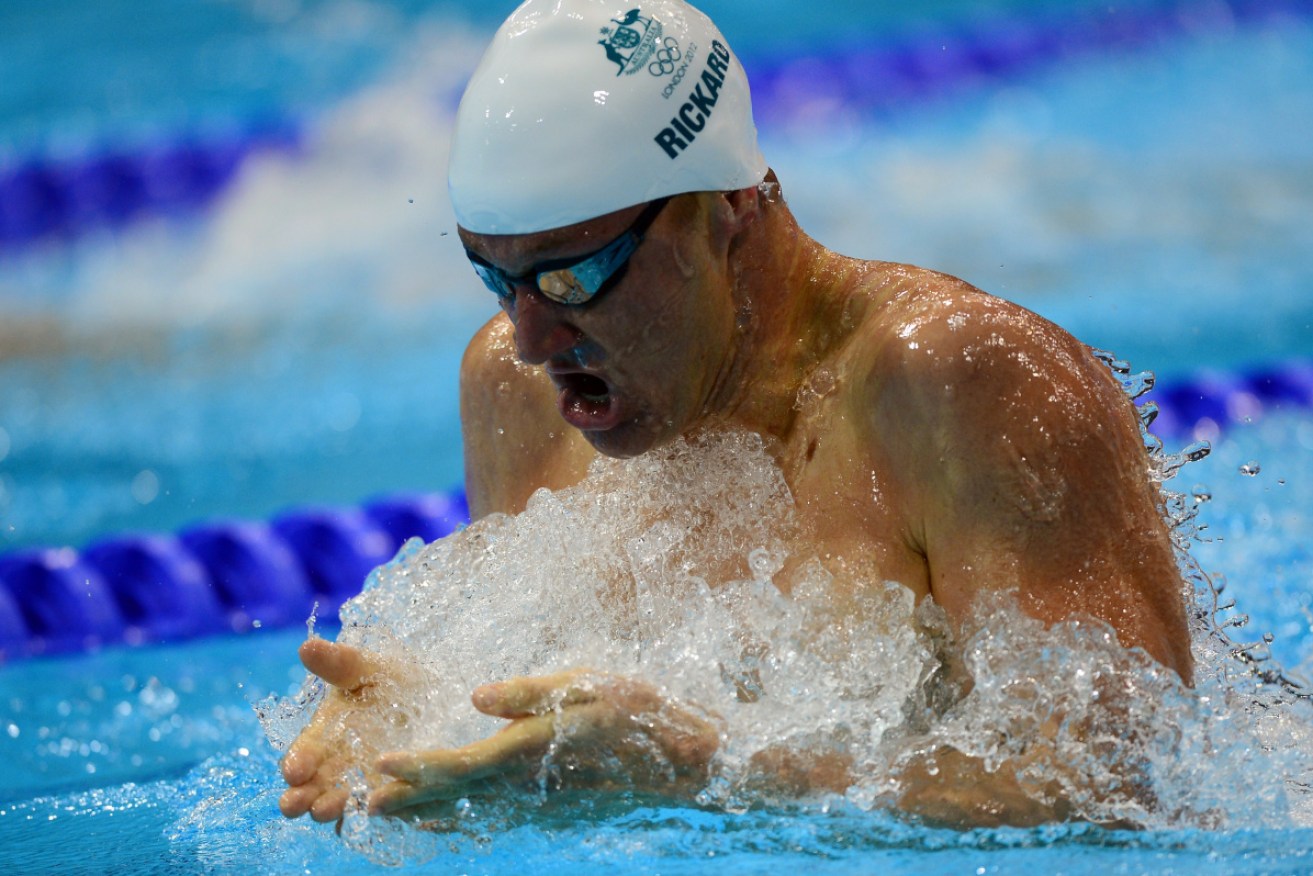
[1147, 194]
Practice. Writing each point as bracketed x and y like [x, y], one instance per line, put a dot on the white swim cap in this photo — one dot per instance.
[583, 107]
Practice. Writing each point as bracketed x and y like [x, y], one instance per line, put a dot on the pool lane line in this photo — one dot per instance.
[226, 576]
[59, 200]
[877, 81]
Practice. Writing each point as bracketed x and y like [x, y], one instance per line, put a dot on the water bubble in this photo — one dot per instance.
[1251, 468]
[146, 487]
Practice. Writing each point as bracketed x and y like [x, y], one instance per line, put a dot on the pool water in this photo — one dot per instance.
[296, 342]
[162, 746]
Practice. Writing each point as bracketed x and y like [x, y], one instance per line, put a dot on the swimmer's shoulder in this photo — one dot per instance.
[944, 358]
[515, 441]
[1020, 462]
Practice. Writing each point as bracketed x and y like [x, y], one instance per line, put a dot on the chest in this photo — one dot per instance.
[854, 513]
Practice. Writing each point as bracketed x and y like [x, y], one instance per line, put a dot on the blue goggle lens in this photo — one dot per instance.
[572, 281]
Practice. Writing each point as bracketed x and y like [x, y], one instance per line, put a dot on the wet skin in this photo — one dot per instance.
[931, 434]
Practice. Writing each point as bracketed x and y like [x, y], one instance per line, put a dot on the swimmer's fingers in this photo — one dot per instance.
[314, 780]
[446, 774]
[600, 708]
[538, 694]
[301, 763]
[395, 798]
[322, 805]
[342, 666]
[297, 801]
[314, 749]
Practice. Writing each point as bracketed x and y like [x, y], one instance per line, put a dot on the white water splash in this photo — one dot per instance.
[670, 568]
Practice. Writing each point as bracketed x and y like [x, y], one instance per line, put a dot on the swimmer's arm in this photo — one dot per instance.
[1032, 478]
[514, 440]
[1029, 477]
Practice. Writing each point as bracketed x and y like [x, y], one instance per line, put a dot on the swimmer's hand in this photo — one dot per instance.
[600, 730]
[318, 762]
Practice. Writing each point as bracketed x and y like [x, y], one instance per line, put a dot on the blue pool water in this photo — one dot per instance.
[294, 340]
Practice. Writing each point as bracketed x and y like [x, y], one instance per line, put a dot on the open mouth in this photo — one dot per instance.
[590, 388]
[586, 401]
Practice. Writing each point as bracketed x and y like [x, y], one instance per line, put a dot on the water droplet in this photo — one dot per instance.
[145, 487]
[1136, 385]
[1251, 468]
[1148, 412]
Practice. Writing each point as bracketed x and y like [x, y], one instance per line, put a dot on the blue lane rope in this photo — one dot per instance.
[234, 576]
[222, 576]
[874, 81]
[43, 199]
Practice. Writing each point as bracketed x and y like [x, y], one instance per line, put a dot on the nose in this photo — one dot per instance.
[542, 327]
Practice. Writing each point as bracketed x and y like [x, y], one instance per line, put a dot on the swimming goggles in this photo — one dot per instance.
[574, 280]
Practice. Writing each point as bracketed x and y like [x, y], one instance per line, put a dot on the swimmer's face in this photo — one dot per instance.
[641, 363]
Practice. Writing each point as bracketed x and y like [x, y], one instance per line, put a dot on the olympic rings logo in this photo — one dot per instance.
[665, 58]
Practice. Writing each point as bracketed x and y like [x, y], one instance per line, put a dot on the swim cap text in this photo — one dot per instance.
[694, 114]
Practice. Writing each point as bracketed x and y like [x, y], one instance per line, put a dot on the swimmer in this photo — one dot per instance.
[653, 284]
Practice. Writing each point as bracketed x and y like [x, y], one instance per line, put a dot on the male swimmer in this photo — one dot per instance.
[654, 284]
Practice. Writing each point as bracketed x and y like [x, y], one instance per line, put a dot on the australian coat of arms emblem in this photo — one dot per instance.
[632, 41]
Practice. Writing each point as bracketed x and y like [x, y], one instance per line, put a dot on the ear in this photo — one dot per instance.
[744, 208]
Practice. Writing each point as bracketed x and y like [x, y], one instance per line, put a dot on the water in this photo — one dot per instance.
[176, 724]
[1152, 202]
